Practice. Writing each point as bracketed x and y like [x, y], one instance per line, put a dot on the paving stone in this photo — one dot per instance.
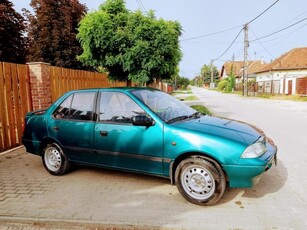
[110, 197]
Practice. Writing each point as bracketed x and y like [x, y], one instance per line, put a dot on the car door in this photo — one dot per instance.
[72, 125]
[119, 143]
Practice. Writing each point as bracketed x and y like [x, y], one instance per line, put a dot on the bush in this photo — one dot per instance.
[222, 85]
[202, 109]
[227, 84]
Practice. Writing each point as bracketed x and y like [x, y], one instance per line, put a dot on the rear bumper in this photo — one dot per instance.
[32, 146]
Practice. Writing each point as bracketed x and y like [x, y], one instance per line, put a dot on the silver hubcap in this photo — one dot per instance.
[198, 182]
[53, 158]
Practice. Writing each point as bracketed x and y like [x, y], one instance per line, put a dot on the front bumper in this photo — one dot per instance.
[247, 172]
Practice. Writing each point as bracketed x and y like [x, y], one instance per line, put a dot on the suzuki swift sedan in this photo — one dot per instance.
[147, 131]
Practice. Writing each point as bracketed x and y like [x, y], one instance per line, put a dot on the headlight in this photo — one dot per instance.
[254, 150]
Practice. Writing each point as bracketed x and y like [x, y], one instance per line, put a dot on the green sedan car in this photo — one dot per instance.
[147, 131]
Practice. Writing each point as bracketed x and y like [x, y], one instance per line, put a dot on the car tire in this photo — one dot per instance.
[200, 181]
[55, 162]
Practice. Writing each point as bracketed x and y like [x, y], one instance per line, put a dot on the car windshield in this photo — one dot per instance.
[168, 108]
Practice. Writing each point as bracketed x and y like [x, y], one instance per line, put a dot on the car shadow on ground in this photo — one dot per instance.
[270, 182]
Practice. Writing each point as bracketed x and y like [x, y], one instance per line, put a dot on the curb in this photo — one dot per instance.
[45, 223]
[11, 150]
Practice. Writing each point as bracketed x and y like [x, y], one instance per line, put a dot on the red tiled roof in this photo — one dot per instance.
[236, 66]
[255, 66]
[294, 59]
[252, 67]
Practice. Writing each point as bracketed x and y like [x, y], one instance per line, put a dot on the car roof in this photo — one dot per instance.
[116, 89]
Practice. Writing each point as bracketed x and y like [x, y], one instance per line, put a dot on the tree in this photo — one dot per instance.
[231, 82]
[206, 73]
[52, 32]
[130, 45]
[197, 81]
[183, 82]
[12, 40]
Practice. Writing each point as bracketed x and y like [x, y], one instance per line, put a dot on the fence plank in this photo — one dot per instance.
[3, 118]
[22, 75]
[54, 89]
[9, 101]
[16, 125]
[15, 102]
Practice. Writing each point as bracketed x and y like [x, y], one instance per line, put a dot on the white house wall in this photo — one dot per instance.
[282, 77]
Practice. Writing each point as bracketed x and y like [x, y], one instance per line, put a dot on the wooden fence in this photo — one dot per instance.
[63, 80]
[15, 102]
[24, 88]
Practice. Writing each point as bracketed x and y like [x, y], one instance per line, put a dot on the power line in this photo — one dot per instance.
[283, 36]
[262, 44]
[141, 5]
[230, 44]
[234, 28]
[263, 12]
[293, 19]
[210, 34]
[280, 30]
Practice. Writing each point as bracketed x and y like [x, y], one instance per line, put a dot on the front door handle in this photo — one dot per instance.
[55, 128]
[103, 133]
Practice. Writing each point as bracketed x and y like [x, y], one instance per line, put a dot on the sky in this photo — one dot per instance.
[201, 19]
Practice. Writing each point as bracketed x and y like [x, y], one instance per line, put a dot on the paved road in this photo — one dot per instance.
[88, 197]
[286, 123]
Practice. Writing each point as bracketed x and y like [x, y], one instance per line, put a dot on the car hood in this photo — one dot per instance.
[225, 128]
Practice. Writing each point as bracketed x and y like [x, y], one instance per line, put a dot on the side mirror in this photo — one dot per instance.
[142, 120]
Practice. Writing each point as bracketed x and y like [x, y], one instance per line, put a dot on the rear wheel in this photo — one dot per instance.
[199, 181]
[54, 160]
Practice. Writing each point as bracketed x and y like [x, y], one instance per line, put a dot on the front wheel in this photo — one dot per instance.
[199, 181]
[54, 160]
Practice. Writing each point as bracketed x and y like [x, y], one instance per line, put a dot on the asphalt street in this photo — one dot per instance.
[90, 198]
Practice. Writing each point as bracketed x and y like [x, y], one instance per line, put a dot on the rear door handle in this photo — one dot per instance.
[55, 128]
[103, 133]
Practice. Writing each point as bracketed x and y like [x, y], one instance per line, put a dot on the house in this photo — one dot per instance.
[285, 75]
[238, 67]
[232, 66]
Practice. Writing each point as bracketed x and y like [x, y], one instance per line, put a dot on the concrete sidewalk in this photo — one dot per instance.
[90, 198]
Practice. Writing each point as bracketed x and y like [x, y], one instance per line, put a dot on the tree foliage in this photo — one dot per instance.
[12, 40]
[183, 83]
[130, 45]
[197, 81]
[227, 84]
[52, 32]
[206, 73]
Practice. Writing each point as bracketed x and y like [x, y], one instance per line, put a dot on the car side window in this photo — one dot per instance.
[118, 108]
[78, 106]
[62, 112]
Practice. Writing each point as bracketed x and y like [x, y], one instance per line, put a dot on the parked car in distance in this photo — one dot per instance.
[147, 131]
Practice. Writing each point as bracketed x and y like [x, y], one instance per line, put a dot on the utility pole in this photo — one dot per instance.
[246, 45]
[212, 86]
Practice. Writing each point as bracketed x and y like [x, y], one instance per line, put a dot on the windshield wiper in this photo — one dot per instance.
[180, 118]
[184, 117]
[196, 115]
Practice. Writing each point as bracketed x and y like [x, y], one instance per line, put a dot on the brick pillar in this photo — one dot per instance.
[40, 84]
